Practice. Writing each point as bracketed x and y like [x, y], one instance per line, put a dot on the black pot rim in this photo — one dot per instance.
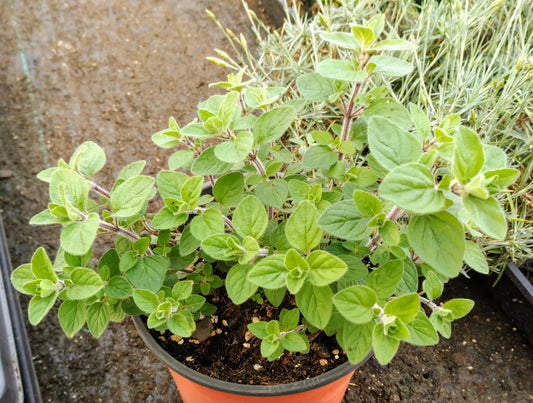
[237, 388]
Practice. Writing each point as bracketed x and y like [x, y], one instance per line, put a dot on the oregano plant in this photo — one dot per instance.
[353, 230]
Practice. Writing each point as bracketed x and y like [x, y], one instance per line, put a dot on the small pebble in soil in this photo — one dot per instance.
[5, 173]
[248, 335]
[214, 319]
[246, 345]
[323, 362]
[224, 322]
[257, 367]
[190, 359]
[218, 331]
[255, 319]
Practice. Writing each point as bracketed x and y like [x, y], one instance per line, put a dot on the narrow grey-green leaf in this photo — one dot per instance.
[392, 45]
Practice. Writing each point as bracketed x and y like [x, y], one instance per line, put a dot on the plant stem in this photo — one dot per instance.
[132, 236]
[296, 329]
[227, 221]
[100, 190]
[257, 164]
[393, 215]
[350, 113]
[427, 302]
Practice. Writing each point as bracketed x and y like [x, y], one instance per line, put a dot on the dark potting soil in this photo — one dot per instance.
[231, 353]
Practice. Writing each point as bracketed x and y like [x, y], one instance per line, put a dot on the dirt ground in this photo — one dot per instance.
[114, 71]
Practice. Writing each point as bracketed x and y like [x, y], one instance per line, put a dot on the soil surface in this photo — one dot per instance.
[113, 72]
[223, 347]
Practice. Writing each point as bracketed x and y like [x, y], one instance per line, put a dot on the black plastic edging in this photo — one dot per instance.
[30, 385]
[520, 281]
[241, 389]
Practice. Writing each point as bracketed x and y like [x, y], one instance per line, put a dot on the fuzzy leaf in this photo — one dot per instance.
[229, 188]
[238, 286]
[250, 218]
[270, 272]
[487, 214]
[344, 220]
[412, 188]
[302, 229]
[315, 304]
[356, 303]
[341, 70]
[390, 145]
[314, 87]
[273, 124]
[439, 240]
[128, 198]
[72, 316]
[468, 155]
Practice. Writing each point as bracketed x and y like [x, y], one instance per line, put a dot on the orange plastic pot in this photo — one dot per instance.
[195, 387]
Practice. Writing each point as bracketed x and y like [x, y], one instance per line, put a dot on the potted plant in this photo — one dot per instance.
[346, 235]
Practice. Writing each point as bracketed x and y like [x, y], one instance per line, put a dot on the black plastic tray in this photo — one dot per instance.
[518, 277]
[18, 381]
